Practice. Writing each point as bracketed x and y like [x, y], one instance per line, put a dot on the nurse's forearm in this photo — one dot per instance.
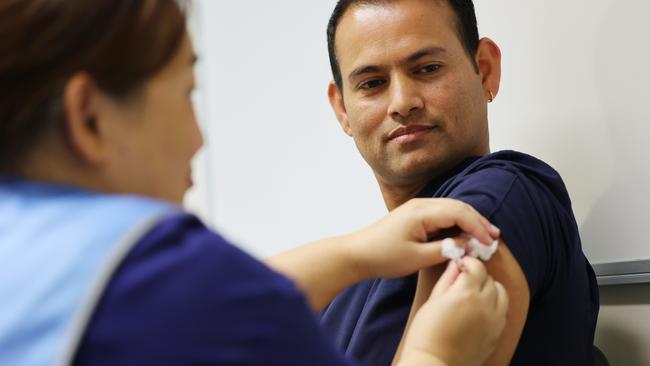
[321, 269]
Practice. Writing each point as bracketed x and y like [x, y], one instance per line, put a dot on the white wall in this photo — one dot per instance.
[281, 172]
[623, 331]
[277, 171]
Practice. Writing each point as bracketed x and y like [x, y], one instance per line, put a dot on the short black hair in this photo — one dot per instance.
[466, 28]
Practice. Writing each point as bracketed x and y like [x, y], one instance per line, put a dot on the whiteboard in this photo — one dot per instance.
[575, 93]
[279, 172]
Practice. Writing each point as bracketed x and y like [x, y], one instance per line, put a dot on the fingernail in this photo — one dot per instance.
[495, 228]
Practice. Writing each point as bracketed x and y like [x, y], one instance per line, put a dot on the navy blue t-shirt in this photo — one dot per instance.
[528, 201]
[184, 296]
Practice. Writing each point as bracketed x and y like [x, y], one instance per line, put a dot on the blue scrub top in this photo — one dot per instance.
[185, 296]
[528, 201]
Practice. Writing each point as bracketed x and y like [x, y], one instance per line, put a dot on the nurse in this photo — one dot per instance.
[101, 265]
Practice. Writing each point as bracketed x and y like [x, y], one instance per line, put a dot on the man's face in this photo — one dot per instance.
[157, 134]
[411, 96]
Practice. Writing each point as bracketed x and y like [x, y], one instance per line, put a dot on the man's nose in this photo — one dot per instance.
[405, 97]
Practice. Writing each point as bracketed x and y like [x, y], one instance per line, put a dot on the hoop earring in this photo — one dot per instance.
[491, 99]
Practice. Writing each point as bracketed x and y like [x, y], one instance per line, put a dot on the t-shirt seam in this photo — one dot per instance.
[543, 285]
[497, 207]
[505, 195]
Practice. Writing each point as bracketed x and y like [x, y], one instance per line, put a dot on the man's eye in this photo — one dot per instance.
[428, 69]
[371, 84]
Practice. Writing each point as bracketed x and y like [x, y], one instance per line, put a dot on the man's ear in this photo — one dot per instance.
[488, 59]
[81, 101]
[336, 101]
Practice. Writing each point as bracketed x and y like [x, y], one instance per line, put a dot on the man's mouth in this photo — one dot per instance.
[408, 134]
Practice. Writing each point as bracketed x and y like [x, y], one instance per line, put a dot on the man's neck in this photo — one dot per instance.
[395, 196]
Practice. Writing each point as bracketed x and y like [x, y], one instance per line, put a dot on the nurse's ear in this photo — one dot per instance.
[84, 119]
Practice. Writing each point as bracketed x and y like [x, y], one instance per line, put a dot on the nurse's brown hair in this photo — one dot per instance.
[43, 43]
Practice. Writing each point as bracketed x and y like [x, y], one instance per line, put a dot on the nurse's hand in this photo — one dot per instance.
[399, 245]
[393, 247]
[461, 322]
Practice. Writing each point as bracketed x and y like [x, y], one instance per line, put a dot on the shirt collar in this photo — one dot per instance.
[432, 187]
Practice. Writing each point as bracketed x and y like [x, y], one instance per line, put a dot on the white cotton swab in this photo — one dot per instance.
[482, 251]
[478, 250]
[452, 251]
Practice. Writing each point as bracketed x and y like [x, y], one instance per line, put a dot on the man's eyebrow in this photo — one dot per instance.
[431, 51]
[363, 70]
[368, 69]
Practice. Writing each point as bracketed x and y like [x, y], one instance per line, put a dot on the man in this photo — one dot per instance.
[412, 81]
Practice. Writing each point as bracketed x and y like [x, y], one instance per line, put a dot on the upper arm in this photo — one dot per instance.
[521, 261]
[504, 268]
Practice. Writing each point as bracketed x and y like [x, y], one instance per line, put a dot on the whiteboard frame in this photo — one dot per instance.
[623, 273]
